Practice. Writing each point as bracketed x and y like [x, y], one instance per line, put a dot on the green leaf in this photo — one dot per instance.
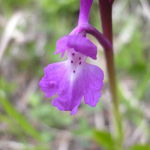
[104, 139]
[23, 122]
[140, 147]
[144, 83]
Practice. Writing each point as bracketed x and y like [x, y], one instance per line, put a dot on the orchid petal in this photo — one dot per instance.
[93, 81]
[71, 87]
[50, 82]
[87, 83]
[79, 43]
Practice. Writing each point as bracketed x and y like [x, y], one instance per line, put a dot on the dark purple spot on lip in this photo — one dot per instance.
[73, 54]
[80, 63]
[71, 61]
[79, 58]
[74, 71]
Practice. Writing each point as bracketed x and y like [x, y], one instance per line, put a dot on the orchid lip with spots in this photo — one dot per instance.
[74, 78]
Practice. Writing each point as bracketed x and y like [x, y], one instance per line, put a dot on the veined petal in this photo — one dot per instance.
[93, 83]
[78, 43]
[73, 86]
[60, 79]
[50, 82]
[69, 93]
[69, 96]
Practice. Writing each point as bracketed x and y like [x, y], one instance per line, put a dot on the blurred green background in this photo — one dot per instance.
[29, 30]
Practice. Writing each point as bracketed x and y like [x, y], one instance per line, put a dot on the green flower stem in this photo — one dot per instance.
[106, 17]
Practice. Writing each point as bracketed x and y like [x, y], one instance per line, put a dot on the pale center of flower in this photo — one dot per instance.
[75, 61]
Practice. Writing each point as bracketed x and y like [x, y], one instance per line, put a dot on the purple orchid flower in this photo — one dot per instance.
[74, 79]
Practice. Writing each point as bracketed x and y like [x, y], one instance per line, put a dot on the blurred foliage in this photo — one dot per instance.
[23, 123]
[105, 139]
[131, 57]
[40, 125]
[140, 147]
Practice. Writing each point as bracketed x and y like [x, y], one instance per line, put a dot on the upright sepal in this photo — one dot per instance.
[85, 6]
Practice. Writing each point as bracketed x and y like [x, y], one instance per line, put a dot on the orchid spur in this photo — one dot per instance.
[74, 79]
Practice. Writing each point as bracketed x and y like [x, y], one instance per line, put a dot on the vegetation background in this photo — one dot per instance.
[29, 30]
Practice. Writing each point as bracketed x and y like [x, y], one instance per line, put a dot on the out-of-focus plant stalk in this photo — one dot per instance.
[106, 18]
